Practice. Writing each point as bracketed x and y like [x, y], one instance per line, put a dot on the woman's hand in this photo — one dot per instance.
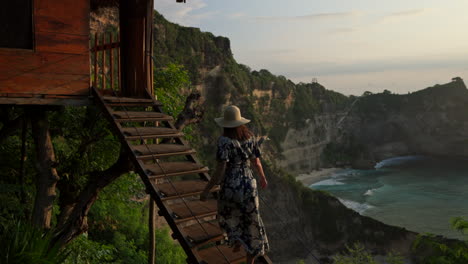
[263, 182]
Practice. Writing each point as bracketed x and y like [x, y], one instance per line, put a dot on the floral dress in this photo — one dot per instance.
[238, 203]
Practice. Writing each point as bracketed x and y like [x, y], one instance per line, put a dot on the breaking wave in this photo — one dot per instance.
[358, 207]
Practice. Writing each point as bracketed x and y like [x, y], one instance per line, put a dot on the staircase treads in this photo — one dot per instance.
[135, 133]
[213, 255]
[203, 232]
[114, 100]
[161, 150]
[176, 168]
[140, 116]
[189, 209]
[178, 189]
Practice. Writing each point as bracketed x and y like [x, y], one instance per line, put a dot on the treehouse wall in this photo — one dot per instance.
[58, 64]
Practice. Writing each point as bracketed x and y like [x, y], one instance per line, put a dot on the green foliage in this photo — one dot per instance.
[171, 86]
[118, 230]
[344, 153]
[437, 250]
[21, 243]
[86, 251]
[357, 254]
[458, 223]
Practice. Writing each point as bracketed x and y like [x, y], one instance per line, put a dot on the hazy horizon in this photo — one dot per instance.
[349, 46]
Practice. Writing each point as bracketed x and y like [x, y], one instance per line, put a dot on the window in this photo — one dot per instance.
[16, 24]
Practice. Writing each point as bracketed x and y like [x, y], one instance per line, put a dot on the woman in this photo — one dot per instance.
[238, 213]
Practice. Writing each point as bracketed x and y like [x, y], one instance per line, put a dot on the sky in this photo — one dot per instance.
[350, 46]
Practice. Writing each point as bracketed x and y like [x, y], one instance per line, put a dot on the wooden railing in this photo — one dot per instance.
[105, 62]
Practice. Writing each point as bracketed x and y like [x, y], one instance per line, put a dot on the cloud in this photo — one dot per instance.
[238, 15]
[295, 70]
[340, 30]
[404, 13]
[187, 14]
[316, 16]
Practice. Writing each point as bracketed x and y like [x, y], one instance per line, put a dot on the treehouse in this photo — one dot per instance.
[49, 56]
[46, 56]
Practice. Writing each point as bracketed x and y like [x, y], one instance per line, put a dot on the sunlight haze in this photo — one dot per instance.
[350, 46]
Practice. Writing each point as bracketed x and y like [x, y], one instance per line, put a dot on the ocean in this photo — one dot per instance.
[419, 193]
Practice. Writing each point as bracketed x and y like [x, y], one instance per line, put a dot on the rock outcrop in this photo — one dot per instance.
[300, 120]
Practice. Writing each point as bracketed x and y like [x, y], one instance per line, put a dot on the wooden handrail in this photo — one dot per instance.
[105, 58]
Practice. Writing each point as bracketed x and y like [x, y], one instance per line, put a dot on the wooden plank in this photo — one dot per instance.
[72, 101]
[169, 169]
[220, 253]
[190, 209]
[64, 16]
[140, 131]
[14, 62]
[107, 46]
[199, 233]
[62, 43]
[114, 99]
[174, 190]
[141, 116]
[159, 149]
[39, 83]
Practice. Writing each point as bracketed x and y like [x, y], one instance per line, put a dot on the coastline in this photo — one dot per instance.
[316, 175]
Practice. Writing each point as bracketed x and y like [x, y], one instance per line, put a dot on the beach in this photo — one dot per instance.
[316, 175]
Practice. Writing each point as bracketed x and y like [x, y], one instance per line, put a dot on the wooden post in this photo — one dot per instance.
[95, 60]
[103, 61]
[111, 59]
[119, 75]
[152, 234]
[134, 62]
[149, 46]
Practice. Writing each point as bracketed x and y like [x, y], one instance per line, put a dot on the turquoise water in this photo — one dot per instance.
[418, 193]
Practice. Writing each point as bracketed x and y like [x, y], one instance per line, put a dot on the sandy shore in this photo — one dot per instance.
[316, 176]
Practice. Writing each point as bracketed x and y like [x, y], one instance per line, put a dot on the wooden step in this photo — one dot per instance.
[140, 116]
[201, 233]
[129, 101]
[180, 189]
[169, 169]
[190, 210]
[213, 255]
[147, 152]
[136, 133]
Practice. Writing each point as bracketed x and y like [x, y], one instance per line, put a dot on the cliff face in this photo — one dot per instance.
[300, 120]
[433, 121]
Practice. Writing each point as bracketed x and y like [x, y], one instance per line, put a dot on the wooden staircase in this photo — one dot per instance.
[173, 176]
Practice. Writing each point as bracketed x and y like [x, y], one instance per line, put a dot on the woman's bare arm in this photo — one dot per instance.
[216, 178]
[257, 164]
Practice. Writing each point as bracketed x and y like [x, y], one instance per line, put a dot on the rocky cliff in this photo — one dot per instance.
[311, 127]
[433, 121]
[300, 120]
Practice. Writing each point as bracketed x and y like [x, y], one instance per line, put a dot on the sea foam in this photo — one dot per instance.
[397, 161]
[358, 207]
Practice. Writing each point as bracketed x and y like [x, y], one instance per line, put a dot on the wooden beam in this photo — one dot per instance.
[77, 101]
[132, 47]
[152, 234]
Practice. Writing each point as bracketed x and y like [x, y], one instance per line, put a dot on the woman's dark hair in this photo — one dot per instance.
[240, 133]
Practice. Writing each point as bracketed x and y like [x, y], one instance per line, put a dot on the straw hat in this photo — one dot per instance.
[232, 117]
